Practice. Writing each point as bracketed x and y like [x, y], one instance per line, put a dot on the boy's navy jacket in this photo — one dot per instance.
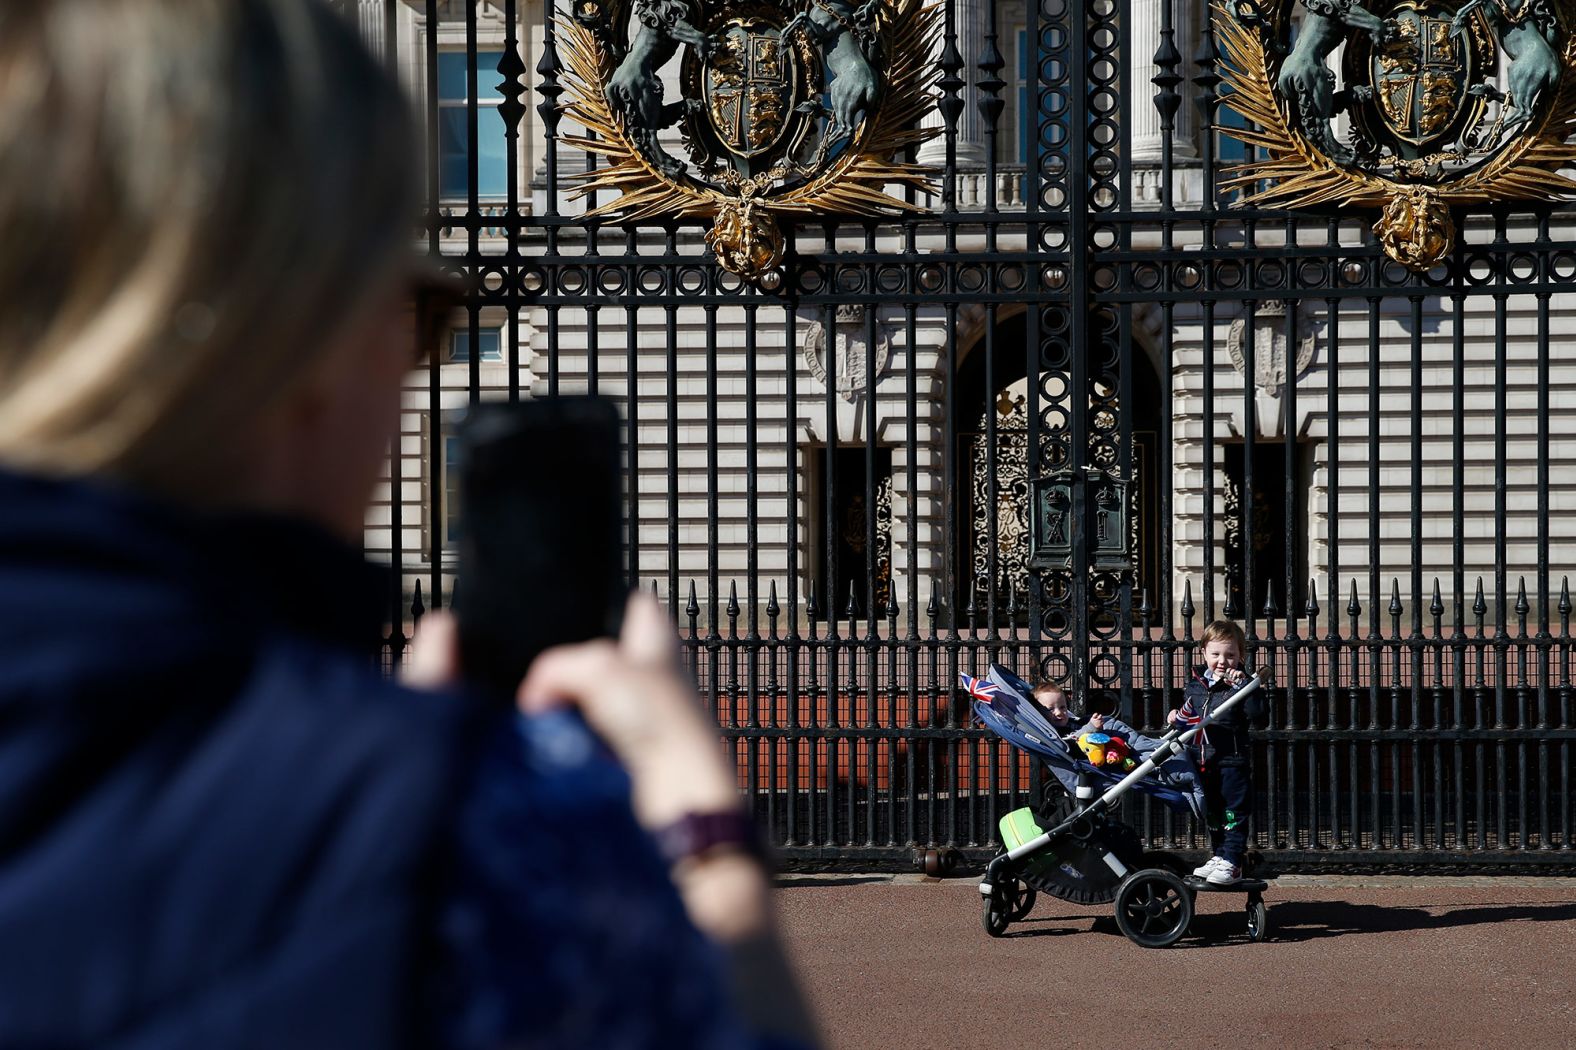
[220, 826]
[1227, 737]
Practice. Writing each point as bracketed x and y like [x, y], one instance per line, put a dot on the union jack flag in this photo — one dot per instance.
[980, 688]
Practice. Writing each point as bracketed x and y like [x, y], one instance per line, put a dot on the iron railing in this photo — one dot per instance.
[1383, 518]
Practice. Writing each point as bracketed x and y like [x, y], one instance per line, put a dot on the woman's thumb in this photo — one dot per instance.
[647, 638]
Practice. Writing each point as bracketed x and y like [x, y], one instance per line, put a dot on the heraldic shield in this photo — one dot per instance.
[1422, 78]
[786, 108]
[1449, 104]
[751, 87]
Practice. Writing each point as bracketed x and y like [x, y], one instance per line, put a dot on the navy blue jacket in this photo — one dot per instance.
[221, 827]
[1226, 738]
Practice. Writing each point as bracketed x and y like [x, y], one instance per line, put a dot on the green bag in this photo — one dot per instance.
[1019, 827]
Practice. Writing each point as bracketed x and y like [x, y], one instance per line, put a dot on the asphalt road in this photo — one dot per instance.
[1352, 963]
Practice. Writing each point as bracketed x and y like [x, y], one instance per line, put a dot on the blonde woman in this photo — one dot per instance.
[218, 826]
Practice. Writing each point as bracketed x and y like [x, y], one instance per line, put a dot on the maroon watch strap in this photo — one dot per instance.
[695, 834]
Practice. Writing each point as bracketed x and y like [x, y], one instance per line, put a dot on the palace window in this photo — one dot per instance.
[489, 344]
[1229, 149]
[492, 170]
[451, 491]
[861, 505]
[1279, 538]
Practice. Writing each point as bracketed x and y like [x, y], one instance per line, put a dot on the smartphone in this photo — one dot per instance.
[541, 517]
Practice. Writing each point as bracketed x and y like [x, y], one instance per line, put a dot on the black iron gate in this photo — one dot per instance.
[1060, 421]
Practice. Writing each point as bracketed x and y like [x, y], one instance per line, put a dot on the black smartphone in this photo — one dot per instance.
[540, 516]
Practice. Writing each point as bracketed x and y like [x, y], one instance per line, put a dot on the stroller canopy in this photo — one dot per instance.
[1003, 702]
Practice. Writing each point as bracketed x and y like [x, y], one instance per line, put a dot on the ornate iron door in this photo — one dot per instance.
[1082, 449]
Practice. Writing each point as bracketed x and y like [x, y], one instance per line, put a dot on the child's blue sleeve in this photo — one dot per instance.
[1116, 727]
[1138, 742]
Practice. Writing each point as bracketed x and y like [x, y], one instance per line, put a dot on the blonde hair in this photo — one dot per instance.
[1225, 631]
[196, 197]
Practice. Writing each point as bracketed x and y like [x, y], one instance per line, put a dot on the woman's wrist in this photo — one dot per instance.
[700, 833]
[726, 893]
[681, 769]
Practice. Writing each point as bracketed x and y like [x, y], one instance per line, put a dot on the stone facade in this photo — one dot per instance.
[1352, 455]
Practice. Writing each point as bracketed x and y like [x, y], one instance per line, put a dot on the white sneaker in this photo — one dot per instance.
[1224, 873]
[1203, 870]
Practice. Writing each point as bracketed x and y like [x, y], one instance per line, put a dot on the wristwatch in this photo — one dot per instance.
[697, 834]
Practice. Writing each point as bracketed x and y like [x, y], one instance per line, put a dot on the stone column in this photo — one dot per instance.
[973, 21]
[1145, 36]
[369, 19]
[969, 21]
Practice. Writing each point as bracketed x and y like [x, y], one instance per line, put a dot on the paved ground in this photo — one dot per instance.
[1354, 963]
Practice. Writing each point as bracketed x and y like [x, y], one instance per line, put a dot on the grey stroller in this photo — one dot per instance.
[1087, 856]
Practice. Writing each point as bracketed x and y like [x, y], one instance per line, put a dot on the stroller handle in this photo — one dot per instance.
[1186, 733]
[1171, 744]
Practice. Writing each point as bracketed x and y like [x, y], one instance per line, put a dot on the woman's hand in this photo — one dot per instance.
[633, 696]
[1172, 716]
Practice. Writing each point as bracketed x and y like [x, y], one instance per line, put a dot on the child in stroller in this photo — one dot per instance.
[1088, 856]
[1175, 772]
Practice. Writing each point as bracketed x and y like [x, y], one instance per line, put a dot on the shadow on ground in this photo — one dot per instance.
[1309, 920]
[1293, 921]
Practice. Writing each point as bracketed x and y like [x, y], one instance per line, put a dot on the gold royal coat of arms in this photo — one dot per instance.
[1445, 103]
[784, 107]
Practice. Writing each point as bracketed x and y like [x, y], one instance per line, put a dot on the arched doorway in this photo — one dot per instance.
[992, 444]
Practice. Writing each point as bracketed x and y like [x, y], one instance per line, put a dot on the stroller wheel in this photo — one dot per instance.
[1258, 919]
[1023, 902]
[1153, 908]
[996, 914]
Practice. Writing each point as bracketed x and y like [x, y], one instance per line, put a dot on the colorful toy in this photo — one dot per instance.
[1103, 749]
[1094, 746]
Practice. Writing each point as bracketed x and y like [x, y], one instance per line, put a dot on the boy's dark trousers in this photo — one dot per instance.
[1228, 789]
